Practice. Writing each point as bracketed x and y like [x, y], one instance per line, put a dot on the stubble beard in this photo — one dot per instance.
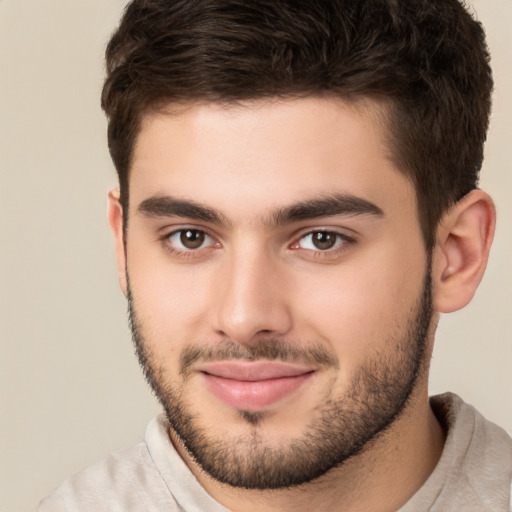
[342, 428]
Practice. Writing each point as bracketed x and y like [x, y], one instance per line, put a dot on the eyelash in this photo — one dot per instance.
[186, 253]
[343, 242]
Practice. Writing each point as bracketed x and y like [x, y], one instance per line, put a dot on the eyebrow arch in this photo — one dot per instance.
[334, 204]
[167, 206]
[324, 206]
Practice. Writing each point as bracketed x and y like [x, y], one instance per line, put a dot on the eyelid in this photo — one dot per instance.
[342, 232]
[168, 232]
[346, 242]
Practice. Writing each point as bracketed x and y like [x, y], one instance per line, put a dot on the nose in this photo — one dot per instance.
[251, 300]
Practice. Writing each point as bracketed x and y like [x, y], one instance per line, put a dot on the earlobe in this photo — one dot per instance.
[115, 219]
[464, 239]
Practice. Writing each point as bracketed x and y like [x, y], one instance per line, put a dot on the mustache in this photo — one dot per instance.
[266, 349]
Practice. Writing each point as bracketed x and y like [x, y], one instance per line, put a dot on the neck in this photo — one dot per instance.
[382, 478]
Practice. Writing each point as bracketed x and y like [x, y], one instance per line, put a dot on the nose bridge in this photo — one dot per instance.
[250, 299]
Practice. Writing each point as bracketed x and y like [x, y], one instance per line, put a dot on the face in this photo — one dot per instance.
[278, 283]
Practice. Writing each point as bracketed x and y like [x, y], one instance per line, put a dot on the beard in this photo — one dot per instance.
[343, 426]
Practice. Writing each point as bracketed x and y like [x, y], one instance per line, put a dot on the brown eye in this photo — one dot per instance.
[188, 239]
[192, 238]
[322, 240]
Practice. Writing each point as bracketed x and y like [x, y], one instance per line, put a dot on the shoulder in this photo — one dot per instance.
[478, 454]
[474, 472]
[124, 481]
[150, 477]
[473, 435]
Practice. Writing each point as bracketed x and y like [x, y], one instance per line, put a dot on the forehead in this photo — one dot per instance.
[266, 153]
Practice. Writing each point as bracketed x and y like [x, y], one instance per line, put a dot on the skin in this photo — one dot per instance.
[254, 279]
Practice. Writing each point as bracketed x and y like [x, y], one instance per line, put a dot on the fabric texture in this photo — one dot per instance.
[474, 473]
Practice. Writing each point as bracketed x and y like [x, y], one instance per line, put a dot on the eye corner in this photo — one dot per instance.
[322, 243]
[188, 242]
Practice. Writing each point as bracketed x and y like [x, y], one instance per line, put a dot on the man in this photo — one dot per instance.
[298, 203]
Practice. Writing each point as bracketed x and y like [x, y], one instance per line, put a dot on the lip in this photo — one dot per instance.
[253, 386]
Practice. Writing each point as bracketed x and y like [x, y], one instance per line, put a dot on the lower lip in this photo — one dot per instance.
[254, 395]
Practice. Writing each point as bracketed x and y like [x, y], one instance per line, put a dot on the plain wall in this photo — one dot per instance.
[70, 387]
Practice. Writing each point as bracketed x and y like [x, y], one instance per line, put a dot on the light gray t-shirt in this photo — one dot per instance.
[474, 473]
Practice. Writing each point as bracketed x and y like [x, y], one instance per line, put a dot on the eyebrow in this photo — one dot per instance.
[329, 206]
[167, 206]
[324, 206]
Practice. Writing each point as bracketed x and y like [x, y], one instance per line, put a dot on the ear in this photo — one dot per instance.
[464, 239]
[115, 219]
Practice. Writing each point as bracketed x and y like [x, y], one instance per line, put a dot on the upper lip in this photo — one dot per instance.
[252, 371]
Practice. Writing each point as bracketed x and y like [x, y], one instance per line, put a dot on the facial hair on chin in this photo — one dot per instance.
[341, 429]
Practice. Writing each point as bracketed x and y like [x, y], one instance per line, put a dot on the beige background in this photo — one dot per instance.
[70, 388]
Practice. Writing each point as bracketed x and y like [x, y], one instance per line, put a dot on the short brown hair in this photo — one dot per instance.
[427, 58]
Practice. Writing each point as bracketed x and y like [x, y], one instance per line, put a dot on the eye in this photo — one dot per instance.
[322, 241]
[189, 240]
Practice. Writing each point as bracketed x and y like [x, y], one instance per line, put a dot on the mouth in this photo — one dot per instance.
[253, 386]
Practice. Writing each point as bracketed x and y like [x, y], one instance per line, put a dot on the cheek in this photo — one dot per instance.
[358, 308]
[170, 299]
